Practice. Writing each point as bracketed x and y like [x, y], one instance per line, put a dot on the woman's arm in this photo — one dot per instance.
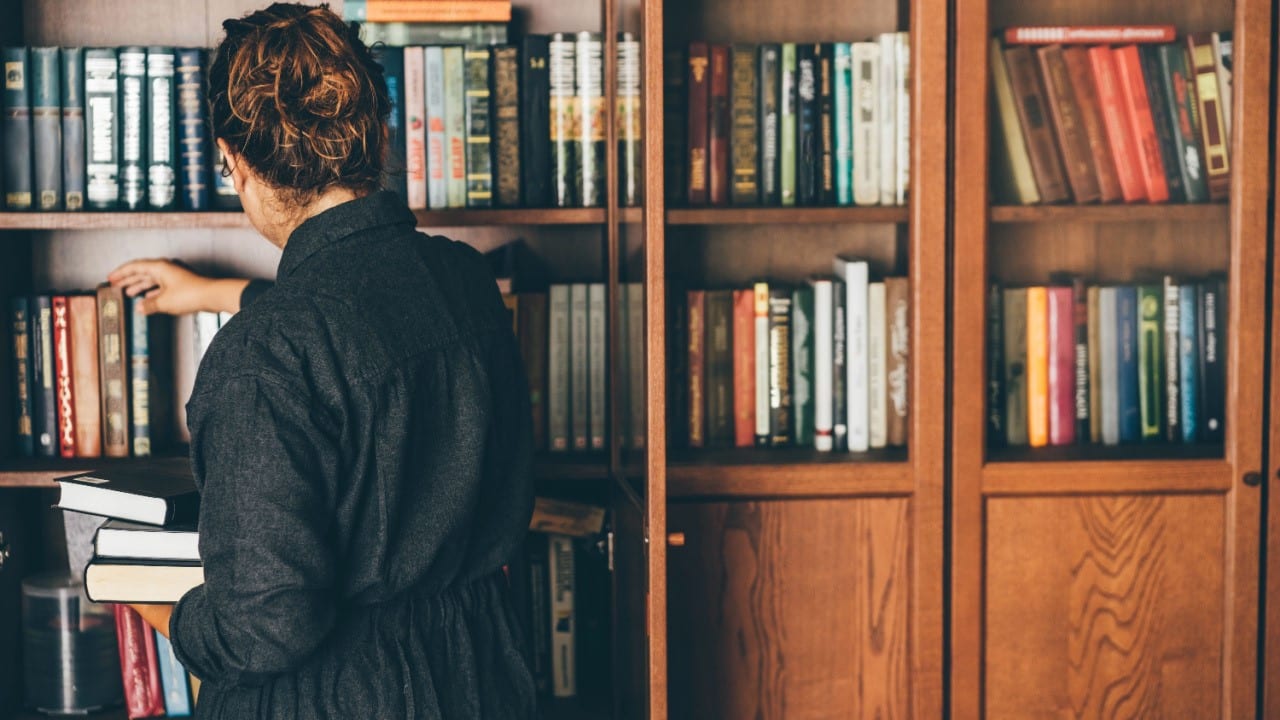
[168, 287]
[157, 616]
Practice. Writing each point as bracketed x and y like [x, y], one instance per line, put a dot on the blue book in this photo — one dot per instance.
[22, 372]
[193, 143]
[46, 127]
[44, 408]
[1127, 364]
[73, 169]
[392, 59]
[139, 379]
[1188, 361]
[173, 679]
[16, 126]
[843, 91]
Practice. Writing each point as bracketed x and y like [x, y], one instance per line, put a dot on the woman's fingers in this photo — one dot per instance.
[135, 286]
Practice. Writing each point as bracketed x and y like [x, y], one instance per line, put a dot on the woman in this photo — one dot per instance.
[359, 431]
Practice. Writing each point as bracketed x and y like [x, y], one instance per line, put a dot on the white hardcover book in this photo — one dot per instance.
[823, 439]
[561, 569]
[854, 273]
[635, 362]
[437, 148]
[1109, 352]
[866, 134]
[761, 306]
[902, 117]
[206, 326]
[886, 107]
[415, 128]
[1223, 51]
[455, 127]
[224, 317]
[597, 337]
[877, 365]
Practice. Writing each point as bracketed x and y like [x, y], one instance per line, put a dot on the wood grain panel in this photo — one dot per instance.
[758, 21]
[740, 254]
[1105, 607]
[1270, 667]
[791, 609]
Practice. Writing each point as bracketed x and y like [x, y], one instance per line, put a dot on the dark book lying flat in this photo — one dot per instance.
[135, 541]
[125, 581]
[159, 494]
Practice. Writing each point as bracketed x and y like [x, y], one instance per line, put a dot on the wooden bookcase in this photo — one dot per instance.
[1270, 660]
[1089, 581]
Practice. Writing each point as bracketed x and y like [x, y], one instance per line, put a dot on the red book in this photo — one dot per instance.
[1115, 115]
[1062, 366]
[699, 85]
[139, 666]
[1133, 90]
[63, 386]
[1086, 92]
[744, 368]
[1080, 34]
[720, 126]
[82, 319]
[697, 368]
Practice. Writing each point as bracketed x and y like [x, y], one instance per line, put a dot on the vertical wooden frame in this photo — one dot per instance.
[1269, 662]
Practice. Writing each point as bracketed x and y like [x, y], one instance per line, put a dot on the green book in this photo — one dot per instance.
[787, 125]
[1015, 366]
[479, 128]
[802, 365]
[46, 127]
[16, 127]
[1151, 361]
[455, 128]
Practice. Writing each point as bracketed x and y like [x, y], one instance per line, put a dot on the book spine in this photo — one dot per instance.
[173, 679]
[436, 132]
[597, 361]
[1223, 61]
[46, 128]
[1127, 332]
[826, 125]
[1115, 113]
[630, 136]
[995, 366]
[877, 393]
[563, 616]
[1188, 367]
[592, 120]
[720, 120]
[1068, 124]
[1095, 368]
[843, 121]
[1015, 366]
[1164, 115]
[562, 69]
[888, 105]
[636, 364]
[1062, 375]
[769, 107]
[696, 367]
[506, 124]
[225, 196]
[1170, 395]
[746, 130]
[112, 373]
[162, 146]
[533, 333]
[558, 368]
[1088, 34]
[699, 83]
[395, 173]
[898, 369]
[1085, 93]
[780, 390]
[23, 371]
[1133, 92]
[1080, 359]
[397, 11]
[1037, 367]
[1212, 371]
[1109, 358]
[83, 325]
[678, 368]
[455, 127]
[536, 551]
[1011, 148]
[579, 367]
[839, 373]
[866, 120]
[1151, 362]
[622, 375]
[1211, 109]
[133, 127]
[139, 379]
[858, 402]
[760, 307]
[18, 181]
[1033, 115]
[536, 169]
[63, 387]
[1182, 109]
[398, 34]
[675, 126]
[139, 668]
[72, 102]
[102, 139]
[415, 127]
[192, 129]
[479, 123]
[802, 366]
[823, 307]
[903, 117]
[44, 413]
[718, 352]
[808, 140]
[788, 99]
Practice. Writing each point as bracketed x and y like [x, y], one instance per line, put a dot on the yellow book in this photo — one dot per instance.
[1013, 173]
[1037, 366]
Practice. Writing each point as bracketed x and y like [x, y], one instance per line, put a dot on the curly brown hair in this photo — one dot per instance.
[296, 93]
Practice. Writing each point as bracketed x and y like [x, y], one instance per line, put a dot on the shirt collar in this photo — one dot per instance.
[379, 209]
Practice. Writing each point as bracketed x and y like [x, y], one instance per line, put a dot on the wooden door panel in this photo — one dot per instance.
[790, 609]
[1105, 606]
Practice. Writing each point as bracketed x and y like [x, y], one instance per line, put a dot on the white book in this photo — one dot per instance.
[823, 439]
[854, 274]
[877, 366]
[564, 679]
[761, 306]
[1109, 352]
[206, 326]
[455, 127]
[415, 128]
[635, 362]
[866, 126]
[887, 107]
[437, 145]
[902, 117]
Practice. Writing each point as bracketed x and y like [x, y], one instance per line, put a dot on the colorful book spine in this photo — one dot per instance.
[193, 141]
[1133, 93]
[823, 311]
[746, 130]
[162, 145]
[1015, 366]
[808, 139]
[558, 368]
[579, 366]
[1037, 366]
[1115, 113]
[1109, 358]
[455, 127]
[769, 107]
[1188, 362]
[436, 132]
[887, 92]
[63, 386]
[1086, 95]
[173, 679]
[16, 126]
[760, 307]
[1150, 362]
[780, 390]
[802, 366]
[1068, 124]
[44, 406]
[139, 665]
[1062, 374]
[415, 127]
[697, 367]
[396, 179]
[537, 140]
[102, 125]
[720, 128]
[46, 128]
[1033, 116]
[23, 372]
[1180, 96]
[1213, 128]
[1127, 384]
[744, 368]
[72, 102]
[1172, 392]
[697, 166]
[826, 125]
[866, 119]
[718, 356]
[843, 109]
[506, 118]
[562, 66]
[82, 312]
[788, 119]
[592, 120]
[898, 351]
[877, 359]
[1164, 117]
[113, 372]
[629, 134]
[133, 127]
[479, 136]
[139, 379]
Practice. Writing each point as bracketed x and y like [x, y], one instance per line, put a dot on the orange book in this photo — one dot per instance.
[82, 312]
[1133, 90]
[744, 368]
[1037, 366]
[438, 11]
[1115, 117]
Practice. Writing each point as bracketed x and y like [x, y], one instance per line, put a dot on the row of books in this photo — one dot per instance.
[427, 11]
[155, 682]
[790, 124]
[1111, 364]
[108, 129]
[823, 366]
[512, 126]
[1147, 120]
[563, 337]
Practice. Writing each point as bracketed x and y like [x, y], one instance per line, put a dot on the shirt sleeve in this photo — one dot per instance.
[253, 291]
[268, 466]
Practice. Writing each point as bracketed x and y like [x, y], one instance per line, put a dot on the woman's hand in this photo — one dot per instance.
[169, 288]
[157, 616]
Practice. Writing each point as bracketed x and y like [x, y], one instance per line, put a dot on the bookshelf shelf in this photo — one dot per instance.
[786, 215]
[1116, 477]
[217, 220]
[1215, 212]
[792, 472]
[1104, 453]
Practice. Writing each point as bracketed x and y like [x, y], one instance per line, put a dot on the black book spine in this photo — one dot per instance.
[770, 89]
[678, 368]
[22, 376]
[72, 102]
[395, 180]
[192, 130]
[826, 124]
[808, 142]
[745, 138]
[102, 125]
[225, 196]
[479, 127]
[780, 425]
[133, 127]
[44, 407]
[589, 168]
[718, 349]
[46, 127]
[1212, 301]
[162, 145]
[675, 141]
[1080, 319]
[1165, 123]
[839, 376]
[535, 121]
[628, 121]
[505, 108]
[562, 70]
[995, 366]
[18, 182]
